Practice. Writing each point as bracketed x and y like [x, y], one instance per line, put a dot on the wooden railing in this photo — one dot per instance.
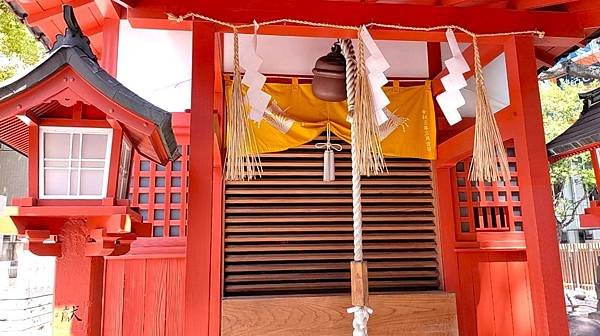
[579, 262]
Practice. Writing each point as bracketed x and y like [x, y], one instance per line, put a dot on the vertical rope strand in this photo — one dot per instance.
[361, 313]
[242, 160]
[489, 161]
[369, 156]
[351, 69]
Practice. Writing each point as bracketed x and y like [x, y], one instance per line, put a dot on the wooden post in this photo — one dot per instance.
[543, 260]
[78, 289]
[596, 166]
[360, 283]
[110, 46]
[200, 204]
[448, 258]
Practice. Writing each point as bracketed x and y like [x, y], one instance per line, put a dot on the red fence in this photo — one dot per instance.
[144, 290]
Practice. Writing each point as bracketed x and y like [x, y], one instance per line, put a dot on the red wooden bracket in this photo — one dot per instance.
[42, 243]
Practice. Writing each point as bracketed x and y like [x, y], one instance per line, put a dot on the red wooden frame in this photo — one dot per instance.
[167, 200]
[150, 14]
[521, 122]
[543, 260]
[198, 302]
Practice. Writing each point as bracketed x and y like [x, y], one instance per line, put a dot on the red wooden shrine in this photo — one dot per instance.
[496, 243]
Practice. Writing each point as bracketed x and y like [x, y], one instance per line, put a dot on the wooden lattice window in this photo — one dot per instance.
[161, 193]
[289, 232]
[487, 206]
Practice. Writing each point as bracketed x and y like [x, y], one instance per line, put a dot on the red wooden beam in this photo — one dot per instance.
[56, 12]
[487, 54]
[545, 57]
[453, 2]
[127, 3]
[534, 4]
[108, 10]
[543, 262]
[152, 19]
[582, 5]
[434, 59]
[200, 210]
[477, 19]
[110, 46]
[589, 19]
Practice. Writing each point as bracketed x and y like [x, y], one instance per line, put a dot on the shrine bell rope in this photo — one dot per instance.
[489, 156]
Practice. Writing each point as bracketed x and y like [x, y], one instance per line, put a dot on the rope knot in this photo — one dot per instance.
[361, 317]
[173, 17]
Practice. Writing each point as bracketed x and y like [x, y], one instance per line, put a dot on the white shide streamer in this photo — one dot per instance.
[376, 65]
[451, 99]
[254, 80]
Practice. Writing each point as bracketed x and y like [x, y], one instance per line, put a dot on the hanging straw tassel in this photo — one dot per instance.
[242, 160]
[489, 156]
[369, 154]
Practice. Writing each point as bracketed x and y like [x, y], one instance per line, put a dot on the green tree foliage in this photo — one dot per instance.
[18, 48]
[561, 107]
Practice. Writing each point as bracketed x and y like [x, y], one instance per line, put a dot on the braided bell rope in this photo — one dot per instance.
[351, 70]
[360, 313]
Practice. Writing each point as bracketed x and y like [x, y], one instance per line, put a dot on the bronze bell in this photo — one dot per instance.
[329, 81]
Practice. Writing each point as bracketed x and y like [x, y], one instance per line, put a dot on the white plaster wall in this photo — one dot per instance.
[292, 55]
[156, 64]
[497, 88]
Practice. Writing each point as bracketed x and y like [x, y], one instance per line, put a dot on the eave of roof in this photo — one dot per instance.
[72, 49]
[583, 135]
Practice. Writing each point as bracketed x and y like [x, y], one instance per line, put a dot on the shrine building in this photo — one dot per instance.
[246, 168]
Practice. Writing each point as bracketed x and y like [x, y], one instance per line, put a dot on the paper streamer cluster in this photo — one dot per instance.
[254, 80]
[376, 65]
[451, 99]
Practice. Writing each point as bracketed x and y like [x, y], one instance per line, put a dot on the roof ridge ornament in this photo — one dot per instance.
[73, 35]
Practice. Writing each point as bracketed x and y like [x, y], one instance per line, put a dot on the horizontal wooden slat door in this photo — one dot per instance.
[291, 233]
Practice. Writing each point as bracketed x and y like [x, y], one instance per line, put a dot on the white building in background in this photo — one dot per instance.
[26, 290]
[26, 280]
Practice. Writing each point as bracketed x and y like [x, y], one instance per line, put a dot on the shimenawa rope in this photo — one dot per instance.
[489, 157]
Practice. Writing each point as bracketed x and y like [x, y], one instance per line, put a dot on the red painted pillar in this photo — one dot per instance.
[447, 243]
[78, 287]
[596, 166]
[535, 192]
[110, 46]
[200, 202]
